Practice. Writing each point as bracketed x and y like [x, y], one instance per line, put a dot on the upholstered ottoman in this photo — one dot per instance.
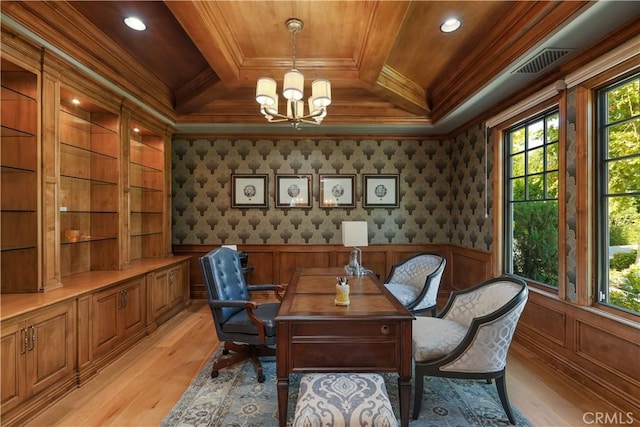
[345, 400]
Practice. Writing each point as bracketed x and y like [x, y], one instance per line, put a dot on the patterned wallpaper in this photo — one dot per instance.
[571, 194]
[472, 190]
[201, 191]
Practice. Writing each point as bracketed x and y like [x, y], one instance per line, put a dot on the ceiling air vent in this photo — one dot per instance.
[542, 60]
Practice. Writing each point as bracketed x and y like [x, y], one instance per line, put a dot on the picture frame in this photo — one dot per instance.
[381, 191]
[337, 191]
[293, 191]
[249, 191]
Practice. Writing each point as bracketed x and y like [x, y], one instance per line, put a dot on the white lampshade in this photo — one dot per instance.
[321, 92]
[266, 91]
[293, 87]
[354, 233]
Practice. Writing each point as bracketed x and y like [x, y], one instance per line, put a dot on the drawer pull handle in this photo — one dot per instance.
[384, 329]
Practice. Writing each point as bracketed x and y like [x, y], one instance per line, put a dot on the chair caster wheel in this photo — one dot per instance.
[261, 378]
[214, 374]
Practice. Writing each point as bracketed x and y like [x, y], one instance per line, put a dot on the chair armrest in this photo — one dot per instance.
[230, 303]
[250, 307]
[278, 289]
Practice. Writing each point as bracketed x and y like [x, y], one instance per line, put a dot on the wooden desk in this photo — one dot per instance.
[372, 334]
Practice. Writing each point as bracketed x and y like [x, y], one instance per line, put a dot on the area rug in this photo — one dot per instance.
[235, 398]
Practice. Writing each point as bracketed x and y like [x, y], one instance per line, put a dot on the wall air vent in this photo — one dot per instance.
[542, 60]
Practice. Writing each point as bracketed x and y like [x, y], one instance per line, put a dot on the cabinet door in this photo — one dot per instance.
[12, 351]
[133, 310]
[159, 293]
[176, 286]
[106, 305]
[50, 353]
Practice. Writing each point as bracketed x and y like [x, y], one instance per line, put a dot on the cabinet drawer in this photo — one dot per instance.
[373, 329]
[345, 356]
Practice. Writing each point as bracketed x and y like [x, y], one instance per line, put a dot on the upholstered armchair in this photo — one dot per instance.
[246, 327]
[470, 337]
[415, 282]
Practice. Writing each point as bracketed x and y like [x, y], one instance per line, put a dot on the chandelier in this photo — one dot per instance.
[293, 91]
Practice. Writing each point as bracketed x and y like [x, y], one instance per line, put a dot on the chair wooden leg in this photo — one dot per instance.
[504, 399]
[417, 393]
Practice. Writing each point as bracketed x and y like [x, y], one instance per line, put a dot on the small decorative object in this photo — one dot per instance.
[249, 191]
[293, 191]
[337, 191]
[342, 291]
[72, 235]
[381, 191]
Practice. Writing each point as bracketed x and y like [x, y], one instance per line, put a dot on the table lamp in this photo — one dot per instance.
[354, 233]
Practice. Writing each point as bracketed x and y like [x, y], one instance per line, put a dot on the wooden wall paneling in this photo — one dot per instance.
[593, 350]
[585, 208]
[299, 256]
[543, 321]
[468, 267]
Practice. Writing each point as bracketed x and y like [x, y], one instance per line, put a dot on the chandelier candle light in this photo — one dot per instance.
[293, 91]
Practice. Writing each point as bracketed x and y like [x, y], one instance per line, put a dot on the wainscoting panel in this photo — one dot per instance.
[545, 321]
[468, 267]
[276, 263]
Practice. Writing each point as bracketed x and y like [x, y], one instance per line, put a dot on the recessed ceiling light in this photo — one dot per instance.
[450, 25]
[135, 23]
[75, 101]
[136, 130]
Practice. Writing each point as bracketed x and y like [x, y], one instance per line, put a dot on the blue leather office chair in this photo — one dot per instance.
[246, 327]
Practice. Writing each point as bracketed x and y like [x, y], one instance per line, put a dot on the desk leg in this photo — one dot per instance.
[404, 386]
[283, 400]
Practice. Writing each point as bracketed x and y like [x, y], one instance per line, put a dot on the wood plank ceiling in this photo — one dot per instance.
[388, 62]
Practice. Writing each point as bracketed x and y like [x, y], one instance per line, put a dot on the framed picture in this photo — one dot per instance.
[337, 191]
[293, 191]
[381, 191]
[249, 191]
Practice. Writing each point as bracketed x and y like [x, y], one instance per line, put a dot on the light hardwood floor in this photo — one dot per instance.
[141, 386]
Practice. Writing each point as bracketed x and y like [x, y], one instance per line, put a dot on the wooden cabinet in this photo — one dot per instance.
[37, 352]
[19, 181]
[147, 193]
[89, 196]
[118, 314]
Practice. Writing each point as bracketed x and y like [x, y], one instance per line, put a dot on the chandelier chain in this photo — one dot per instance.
[294, 48]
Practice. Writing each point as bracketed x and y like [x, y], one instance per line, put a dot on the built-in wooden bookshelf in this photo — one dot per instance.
[147, 193]
[89, 186]
[19, 193]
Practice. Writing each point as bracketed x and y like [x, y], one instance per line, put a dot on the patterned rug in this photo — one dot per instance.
[235, 398]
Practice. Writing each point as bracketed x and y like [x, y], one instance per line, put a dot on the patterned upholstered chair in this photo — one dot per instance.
[470, 338]
[343, 400]
[415, 282]
[247, 328]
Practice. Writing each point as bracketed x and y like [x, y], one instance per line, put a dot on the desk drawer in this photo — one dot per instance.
[339, 330]
[337, 356]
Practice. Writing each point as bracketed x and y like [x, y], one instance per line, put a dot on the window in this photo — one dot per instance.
[531, 205]
[618, 151]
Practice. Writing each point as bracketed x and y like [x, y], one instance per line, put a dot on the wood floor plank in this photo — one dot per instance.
[140, 387]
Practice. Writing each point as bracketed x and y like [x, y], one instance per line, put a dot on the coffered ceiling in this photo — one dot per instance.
[392, 70]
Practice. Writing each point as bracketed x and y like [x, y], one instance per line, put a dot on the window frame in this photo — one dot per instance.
[602, 196]
[541, 114]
